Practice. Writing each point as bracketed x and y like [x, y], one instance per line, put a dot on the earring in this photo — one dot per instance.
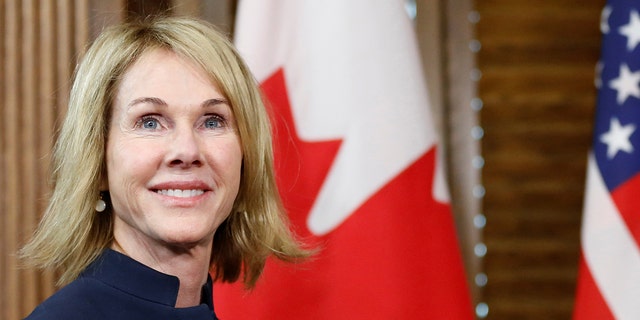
[100, 204]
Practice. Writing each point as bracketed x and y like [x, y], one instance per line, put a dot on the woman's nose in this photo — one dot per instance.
[184, 149]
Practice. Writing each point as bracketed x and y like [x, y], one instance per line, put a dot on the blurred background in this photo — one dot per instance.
[512, 91]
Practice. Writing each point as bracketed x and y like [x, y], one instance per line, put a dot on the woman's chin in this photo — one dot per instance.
[186, 239]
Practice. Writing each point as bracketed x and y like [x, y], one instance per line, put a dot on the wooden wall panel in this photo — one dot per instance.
[537, 61]
[41, 40]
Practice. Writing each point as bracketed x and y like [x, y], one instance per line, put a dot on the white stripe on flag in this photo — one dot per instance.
[609, 249]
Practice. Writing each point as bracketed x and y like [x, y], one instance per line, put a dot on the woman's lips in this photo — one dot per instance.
[181, 189]
[180, 193]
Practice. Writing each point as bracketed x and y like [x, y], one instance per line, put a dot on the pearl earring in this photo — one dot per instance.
[100, 204]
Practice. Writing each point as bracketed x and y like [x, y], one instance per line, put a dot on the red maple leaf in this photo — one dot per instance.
[301, 166]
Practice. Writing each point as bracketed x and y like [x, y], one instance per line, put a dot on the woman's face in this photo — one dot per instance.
[173, 154]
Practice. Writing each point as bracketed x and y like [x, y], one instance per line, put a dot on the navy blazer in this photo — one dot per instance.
[118, 287]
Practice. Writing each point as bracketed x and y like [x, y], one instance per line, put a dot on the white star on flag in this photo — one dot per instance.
[617, 138]
[626, 84]
[632, 30]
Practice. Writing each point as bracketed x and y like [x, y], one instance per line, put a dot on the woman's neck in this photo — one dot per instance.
[191, 266]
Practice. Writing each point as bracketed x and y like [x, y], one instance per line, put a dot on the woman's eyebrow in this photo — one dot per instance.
[159, 102]
[213, 102]
[151, 100]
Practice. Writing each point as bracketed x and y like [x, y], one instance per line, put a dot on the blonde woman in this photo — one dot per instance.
[162, 172]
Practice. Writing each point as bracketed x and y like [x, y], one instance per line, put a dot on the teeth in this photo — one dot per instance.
[181, 193]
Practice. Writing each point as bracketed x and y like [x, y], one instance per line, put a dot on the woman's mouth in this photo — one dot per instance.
[179, 193]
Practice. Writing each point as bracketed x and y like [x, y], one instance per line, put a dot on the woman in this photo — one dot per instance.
[162, 171]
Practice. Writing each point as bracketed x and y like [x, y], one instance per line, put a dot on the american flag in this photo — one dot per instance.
[609, 277]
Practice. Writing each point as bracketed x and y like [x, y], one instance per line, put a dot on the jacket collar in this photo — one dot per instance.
[130, 276]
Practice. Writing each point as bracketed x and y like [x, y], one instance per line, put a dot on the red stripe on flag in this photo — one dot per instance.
[626, 197]
[590, 304]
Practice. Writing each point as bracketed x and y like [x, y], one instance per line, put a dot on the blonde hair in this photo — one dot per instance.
[71, 234]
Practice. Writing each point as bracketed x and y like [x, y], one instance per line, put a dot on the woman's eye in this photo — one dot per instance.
[149, 123]
[213, 122]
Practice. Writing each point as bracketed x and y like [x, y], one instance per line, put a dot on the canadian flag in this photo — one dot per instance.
[356, 158]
